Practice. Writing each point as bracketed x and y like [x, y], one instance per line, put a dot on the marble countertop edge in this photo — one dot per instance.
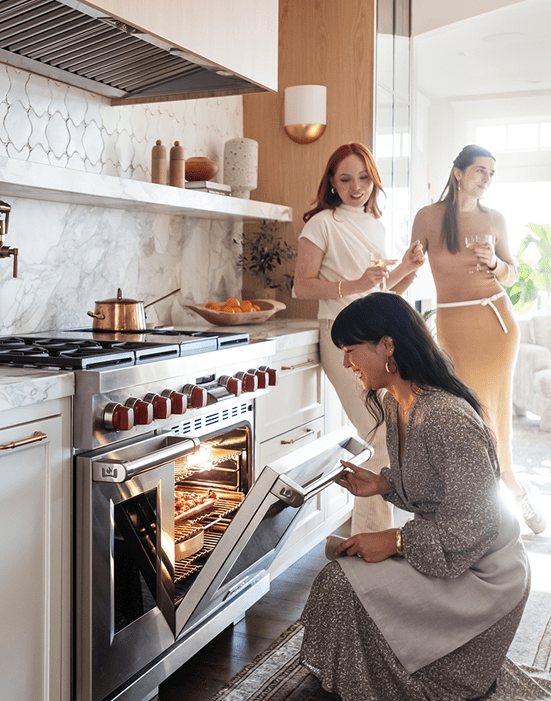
[20, 387]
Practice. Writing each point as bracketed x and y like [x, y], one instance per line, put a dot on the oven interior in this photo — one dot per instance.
[209, 487]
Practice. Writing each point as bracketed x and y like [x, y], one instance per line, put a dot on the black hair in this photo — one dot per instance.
[418, 357]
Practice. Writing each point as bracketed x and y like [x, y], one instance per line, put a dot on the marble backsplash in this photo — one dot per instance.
[72, 255]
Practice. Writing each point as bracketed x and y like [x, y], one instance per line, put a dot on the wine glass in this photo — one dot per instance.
[472, 240]
[383, 263]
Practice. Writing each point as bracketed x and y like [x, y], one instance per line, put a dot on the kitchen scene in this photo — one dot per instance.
[169, 442]
[138, 521]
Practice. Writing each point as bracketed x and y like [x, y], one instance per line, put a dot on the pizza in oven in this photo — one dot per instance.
[186, 501]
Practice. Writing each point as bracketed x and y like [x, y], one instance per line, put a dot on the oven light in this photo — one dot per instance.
[200, 461]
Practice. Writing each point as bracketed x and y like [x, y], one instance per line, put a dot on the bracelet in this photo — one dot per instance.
[495, 266]
[339, 288]
[399, 549]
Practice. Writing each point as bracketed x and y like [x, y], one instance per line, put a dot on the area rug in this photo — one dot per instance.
[277, 675]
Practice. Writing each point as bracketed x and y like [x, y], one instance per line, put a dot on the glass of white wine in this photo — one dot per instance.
[383, 263]
[472, 240]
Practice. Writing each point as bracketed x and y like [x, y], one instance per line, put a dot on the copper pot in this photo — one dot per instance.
[120, 314]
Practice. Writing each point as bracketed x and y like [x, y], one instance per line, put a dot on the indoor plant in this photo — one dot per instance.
[263, 251]
[534, 273]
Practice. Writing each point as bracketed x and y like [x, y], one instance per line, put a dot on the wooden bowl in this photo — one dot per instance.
[200, 168]
[268, 307]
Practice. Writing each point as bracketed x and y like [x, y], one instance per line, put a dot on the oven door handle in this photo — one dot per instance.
[110, 470]
[293, 494]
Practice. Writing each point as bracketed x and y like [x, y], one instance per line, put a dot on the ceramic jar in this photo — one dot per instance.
[241, 166]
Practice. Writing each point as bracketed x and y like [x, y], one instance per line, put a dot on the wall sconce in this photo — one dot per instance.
[305, 112]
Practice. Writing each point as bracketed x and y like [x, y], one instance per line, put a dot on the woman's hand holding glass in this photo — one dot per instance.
[373, 276]
[482, 246]
[382, 264]
[361, 482]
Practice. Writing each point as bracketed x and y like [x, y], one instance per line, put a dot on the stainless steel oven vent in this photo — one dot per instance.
[72, 43]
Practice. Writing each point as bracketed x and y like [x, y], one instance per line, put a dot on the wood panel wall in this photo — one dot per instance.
[323, 42]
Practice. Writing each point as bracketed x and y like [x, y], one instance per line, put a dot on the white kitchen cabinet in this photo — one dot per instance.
[290, 416]
[233, 34]
[35, 551]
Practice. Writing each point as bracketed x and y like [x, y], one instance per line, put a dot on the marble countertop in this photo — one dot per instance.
[20, 387]
[287, 333]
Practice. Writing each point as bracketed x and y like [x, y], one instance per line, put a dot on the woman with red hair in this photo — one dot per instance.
[341, 238]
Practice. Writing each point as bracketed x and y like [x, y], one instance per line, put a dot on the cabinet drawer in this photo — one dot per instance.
[296, 399]
[280, 446]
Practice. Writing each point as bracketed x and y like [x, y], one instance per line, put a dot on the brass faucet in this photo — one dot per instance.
[5, 251]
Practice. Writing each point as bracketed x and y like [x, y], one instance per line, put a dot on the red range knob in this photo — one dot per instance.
[143, 411]
[177, 400]
[232, 384]
[117, 417]
[197, 396]
[262, 375]
[162, 407]
[248, 380]
[272, 374]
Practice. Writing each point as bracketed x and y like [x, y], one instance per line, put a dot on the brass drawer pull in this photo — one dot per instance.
[309, 432]
[300, 365]
[37, 436]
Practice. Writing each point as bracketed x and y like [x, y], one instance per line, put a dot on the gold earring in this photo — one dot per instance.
[387, 368]
[333, 191]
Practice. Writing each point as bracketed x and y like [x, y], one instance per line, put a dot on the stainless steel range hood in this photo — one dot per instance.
[76, 44]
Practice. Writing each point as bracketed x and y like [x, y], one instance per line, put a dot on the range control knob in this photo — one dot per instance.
[248, 380]
[272, 374]
[143, 411]
[177, 400]
[117, 417]
[162, 406]
[197, 396]
[232, 384]
[262, 375]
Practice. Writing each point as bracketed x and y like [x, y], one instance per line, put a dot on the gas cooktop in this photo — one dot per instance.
[86, 349]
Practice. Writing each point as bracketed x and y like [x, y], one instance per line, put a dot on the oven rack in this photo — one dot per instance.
[214, 517]
[187, 465]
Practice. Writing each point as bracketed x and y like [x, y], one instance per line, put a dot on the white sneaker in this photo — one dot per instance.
[531, 513]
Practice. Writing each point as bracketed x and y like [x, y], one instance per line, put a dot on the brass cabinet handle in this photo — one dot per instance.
[37, 436]
[300, 365]
[309, 432]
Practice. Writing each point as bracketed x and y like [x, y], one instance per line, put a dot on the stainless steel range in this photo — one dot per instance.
[173, 535]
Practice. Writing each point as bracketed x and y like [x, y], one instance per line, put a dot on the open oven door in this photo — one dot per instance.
[265, 520]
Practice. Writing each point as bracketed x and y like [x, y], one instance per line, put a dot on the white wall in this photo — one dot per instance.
[72, 255]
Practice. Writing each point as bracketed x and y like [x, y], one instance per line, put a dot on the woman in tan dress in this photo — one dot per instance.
[470, 260]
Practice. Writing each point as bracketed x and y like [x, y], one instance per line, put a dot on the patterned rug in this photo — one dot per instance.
[277, 675]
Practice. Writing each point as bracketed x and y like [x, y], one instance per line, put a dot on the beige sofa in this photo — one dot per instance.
[532, 376]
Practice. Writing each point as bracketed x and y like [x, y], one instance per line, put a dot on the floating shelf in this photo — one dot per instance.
[36, 181]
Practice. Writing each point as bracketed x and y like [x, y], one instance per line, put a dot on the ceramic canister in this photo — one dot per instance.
[241, 166]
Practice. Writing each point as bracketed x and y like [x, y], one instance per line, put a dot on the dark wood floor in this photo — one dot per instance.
[205, 673]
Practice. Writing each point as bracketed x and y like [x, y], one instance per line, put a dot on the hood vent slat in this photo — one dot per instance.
[101, 54]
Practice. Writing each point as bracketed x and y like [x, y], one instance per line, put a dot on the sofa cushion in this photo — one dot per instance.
[541, 330]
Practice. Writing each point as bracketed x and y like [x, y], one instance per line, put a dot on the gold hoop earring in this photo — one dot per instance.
[387, 368]
[333, 191]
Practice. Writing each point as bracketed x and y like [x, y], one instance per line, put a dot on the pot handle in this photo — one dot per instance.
[96, 316]
[160, 298]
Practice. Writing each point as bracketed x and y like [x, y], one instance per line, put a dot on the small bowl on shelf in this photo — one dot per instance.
[268, 307]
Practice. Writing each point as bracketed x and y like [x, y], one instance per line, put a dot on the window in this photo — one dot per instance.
[527, 136]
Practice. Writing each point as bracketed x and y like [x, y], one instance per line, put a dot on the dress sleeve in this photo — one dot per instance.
[315, 230]
[466, 517]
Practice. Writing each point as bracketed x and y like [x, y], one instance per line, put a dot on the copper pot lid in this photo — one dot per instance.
[119, 299]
